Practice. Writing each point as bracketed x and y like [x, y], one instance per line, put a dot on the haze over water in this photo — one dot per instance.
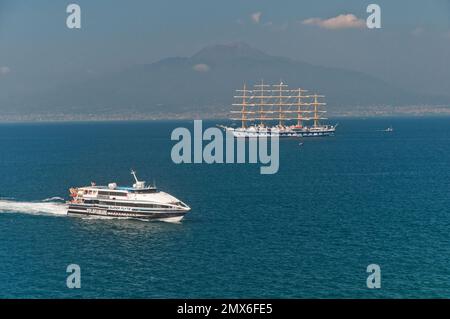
[336, 205]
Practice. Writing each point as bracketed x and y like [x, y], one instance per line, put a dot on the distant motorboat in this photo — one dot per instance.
[389, 129]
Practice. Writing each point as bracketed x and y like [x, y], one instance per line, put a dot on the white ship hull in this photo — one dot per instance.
[286, 131]
[139, 202]
[125, 213]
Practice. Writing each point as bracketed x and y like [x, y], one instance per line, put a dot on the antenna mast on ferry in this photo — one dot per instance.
[133, 172]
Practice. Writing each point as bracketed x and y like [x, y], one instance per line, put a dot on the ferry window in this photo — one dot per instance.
[117, 194]
[145, 191]
[112, 193]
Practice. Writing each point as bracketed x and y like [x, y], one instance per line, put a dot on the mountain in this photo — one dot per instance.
[204, 83]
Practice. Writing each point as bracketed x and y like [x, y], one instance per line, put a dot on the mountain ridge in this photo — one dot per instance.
[204, 83]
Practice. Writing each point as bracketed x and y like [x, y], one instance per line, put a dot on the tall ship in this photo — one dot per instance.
[139, 201]
[276, 110]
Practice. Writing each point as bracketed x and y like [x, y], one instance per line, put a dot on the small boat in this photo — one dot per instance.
[389, 129]
[139, 201]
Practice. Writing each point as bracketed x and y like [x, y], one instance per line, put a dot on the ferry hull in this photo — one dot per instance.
[81, 210]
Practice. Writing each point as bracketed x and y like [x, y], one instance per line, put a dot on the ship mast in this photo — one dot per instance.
[254, 105]
[299, 105]
[260, 90]
[316, 104]
[280, 101]
[244, 91]
[244, 105]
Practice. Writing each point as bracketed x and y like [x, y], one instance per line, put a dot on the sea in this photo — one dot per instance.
[336, 205]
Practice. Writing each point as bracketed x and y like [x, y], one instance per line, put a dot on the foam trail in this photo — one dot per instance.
[55, 198]
[35, 208]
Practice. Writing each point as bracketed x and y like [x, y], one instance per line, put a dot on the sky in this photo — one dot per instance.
[38, 51]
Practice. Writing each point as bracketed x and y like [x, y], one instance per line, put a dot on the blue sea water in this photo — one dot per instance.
[336, 205]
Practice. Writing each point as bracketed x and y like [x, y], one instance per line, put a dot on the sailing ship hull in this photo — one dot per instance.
[317, 133]
[126, 213]
[253, 132]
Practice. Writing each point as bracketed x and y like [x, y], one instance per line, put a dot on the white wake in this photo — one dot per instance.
[35, 208]
[51, 208]
[52, 199]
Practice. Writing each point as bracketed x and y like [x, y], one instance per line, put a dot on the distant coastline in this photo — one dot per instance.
[378, 111]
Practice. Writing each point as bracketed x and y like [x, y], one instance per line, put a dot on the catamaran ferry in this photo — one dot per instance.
[267, 103]
[139, 201]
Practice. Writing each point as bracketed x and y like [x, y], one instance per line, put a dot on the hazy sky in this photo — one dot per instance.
[37, 50]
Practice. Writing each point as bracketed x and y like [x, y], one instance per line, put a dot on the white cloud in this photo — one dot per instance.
[343, 21]
[201, 67]
[256, 17]
[4, 70]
